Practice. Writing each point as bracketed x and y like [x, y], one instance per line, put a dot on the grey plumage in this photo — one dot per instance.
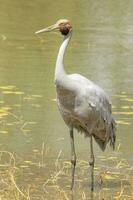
[87, 109]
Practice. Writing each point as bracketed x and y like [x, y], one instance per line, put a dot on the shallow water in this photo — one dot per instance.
[101, 49]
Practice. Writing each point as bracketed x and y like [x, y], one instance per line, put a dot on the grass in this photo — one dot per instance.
[42, 179]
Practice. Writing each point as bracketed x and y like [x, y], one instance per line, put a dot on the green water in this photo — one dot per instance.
[101, 49]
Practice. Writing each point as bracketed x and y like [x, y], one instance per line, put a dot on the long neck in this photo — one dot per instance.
[59, 70]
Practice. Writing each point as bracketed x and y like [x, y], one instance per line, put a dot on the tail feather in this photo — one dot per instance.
[102, 140]
[102, 144]
[112, 133]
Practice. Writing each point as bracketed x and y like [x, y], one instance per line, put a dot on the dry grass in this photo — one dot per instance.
[40, 179]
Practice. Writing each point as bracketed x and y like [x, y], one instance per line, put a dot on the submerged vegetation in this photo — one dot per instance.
[11, 109]
[41, 176]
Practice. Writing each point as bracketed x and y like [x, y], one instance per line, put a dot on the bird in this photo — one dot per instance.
[83, 105]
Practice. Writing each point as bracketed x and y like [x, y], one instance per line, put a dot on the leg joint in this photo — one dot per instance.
[73, 160]
[92, 161]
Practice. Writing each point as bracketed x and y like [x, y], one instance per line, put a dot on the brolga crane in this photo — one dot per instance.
[83, 105]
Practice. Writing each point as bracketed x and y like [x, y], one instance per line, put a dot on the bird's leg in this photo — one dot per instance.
[91, 162]
[73, 156]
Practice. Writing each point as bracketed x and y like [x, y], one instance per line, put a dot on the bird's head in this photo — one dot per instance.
[62, 25]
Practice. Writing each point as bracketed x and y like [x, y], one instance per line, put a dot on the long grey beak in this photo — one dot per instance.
[48, 29]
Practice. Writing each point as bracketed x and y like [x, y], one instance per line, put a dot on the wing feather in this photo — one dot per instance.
[96, 107]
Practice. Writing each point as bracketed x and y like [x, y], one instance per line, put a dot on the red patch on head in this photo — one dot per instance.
[65, 28]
